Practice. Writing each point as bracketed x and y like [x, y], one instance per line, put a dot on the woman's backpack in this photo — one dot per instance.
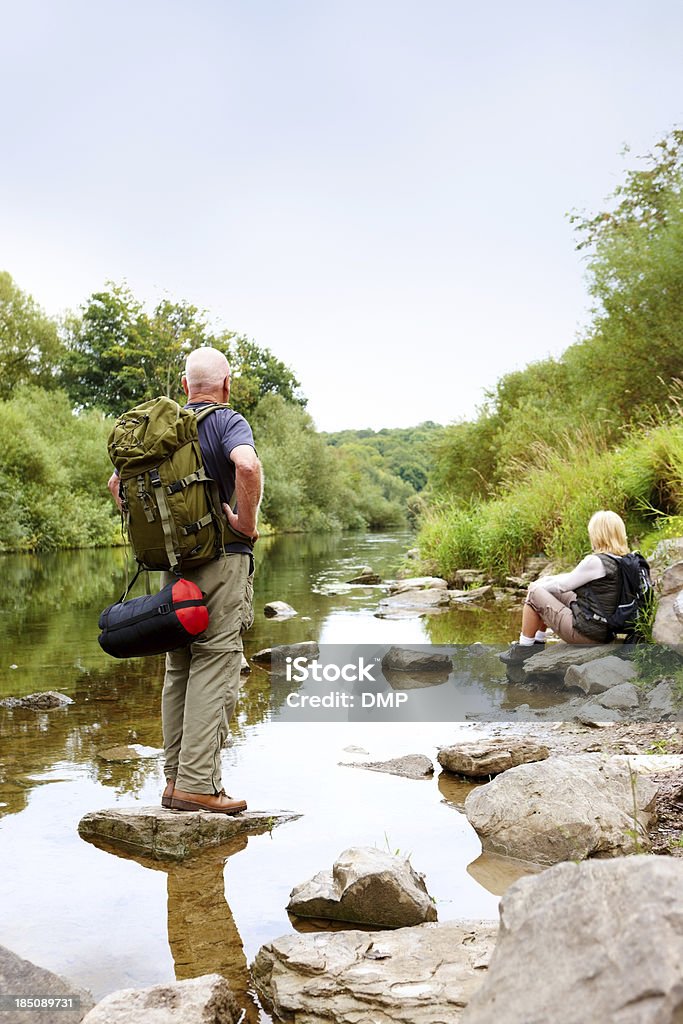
[635, 593]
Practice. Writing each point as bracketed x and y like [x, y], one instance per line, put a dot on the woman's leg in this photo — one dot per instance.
[532, 622]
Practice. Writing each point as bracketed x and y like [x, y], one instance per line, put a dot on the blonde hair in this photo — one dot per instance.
[607, 533]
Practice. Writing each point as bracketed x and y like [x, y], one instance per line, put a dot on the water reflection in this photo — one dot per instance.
[95, 917]
[202, 934]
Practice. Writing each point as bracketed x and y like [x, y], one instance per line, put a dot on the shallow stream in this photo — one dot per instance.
[106, 921]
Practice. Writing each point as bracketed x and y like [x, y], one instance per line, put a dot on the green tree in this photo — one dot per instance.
[256, 372]
[30, 347]
[119, 355]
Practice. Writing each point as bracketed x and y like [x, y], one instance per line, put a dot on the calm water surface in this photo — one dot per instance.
[108, 921]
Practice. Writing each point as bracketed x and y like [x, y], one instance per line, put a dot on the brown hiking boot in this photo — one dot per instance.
[168, 793]
[219, 803]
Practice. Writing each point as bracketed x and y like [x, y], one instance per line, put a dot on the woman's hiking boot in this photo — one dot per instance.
[517, 653]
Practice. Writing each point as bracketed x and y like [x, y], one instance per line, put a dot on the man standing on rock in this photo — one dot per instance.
[202, 681]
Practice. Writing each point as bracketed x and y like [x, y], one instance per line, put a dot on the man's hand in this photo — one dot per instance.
[248, 488]
[114, 485]
[234, 521]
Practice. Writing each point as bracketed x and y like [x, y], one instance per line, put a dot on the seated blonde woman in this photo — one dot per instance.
[574, 603]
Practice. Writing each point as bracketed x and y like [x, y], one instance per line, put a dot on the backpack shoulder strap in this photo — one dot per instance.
[208, 409]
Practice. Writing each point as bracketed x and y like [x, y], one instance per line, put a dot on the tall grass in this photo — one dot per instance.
[548, 511]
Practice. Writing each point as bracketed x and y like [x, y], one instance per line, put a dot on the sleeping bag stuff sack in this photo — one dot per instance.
[155, 623]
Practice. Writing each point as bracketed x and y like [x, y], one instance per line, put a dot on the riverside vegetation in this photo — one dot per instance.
[63, 381]
[600, 427]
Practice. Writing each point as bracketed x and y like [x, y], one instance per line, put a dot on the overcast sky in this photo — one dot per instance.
[376, 190]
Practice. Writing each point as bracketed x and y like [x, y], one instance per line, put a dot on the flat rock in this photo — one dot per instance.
[410, 766]
[621, 697]
[38, 701]
[479, 759]
[564, 808]
[306, 649]
[600, 941]
[278, 610]
[367, 577]
[598, 676]
[403, 659]
[420, 975]
[203, 1000]
[366, 886]
[412, 603]
[131, 752]
[558, 657]
[470, 596]
[173, 835]
[22, 978]
[418, 583]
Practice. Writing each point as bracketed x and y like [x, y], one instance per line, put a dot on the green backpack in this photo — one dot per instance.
[171, 508]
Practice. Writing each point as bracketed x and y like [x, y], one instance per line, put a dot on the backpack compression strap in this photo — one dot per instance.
[166, 521]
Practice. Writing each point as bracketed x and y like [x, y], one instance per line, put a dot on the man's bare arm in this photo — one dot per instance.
[114, 484]
[248, 490]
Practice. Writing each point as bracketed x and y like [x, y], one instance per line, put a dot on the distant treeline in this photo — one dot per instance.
[62, 382]
[599, 427]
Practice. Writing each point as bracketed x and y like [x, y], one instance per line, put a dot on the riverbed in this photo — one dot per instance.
[106, 921]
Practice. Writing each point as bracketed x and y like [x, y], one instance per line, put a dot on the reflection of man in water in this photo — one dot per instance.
[202, 681]
[202, 933]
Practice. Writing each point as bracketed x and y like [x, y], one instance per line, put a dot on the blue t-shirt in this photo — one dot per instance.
[220, 432]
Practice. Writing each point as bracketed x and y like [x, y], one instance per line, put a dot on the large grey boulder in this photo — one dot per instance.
[581, 943]
[409, 766]
[418, 583]
[479, 759]
[420, 975]
[173, 835]
[565, 808]
[558, 657]
[678, 606]
[598, 676]
[667, 628]
[366, 886]
[594, 714]
[19, 977]
[38, 701]
[203, 1000]
[660, 700]
[621, 697]
[413, 603]
[671, 580]
[403, 659]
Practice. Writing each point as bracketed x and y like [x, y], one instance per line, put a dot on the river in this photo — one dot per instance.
[107, 921]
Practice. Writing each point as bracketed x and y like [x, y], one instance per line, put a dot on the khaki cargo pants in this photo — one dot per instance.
[202, 681]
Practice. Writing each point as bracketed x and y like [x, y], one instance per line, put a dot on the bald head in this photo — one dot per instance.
[207, 373]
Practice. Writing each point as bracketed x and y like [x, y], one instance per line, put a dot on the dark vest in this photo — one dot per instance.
[599, 598]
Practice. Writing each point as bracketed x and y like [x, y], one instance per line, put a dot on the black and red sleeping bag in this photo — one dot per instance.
[155, 623]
